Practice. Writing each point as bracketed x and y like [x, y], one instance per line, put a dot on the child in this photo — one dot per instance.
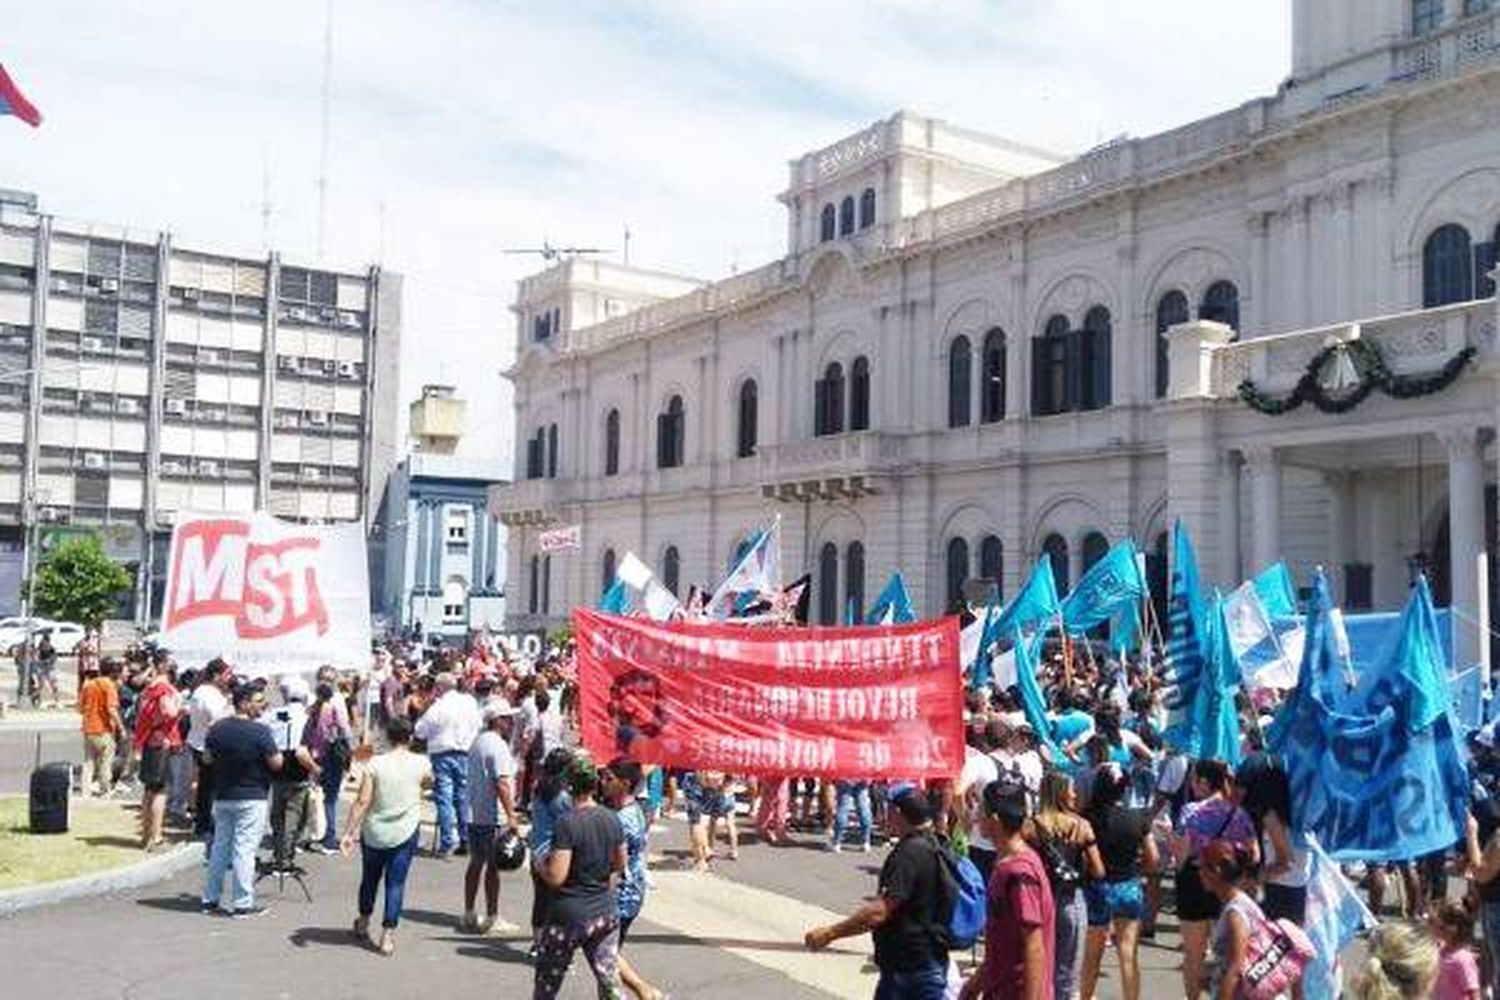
[1458, 968]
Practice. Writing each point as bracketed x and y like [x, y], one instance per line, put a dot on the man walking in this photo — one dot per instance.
[907, 918]
[492, 796]
[208, 704]
[99, 707]
[448, 728]
[243, 757]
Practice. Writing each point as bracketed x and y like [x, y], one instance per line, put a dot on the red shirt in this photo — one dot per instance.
[1020, 896]
[156, 722]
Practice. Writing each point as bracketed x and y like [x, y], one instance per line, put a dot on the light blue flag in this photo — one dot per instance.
[1373, 773]
[1028, 650]
[616, 600]
[1125, 633]
[1335, 914]
[1035, 606]
[1112, 583]
[1468, 699]
[893, 606]
[1216, 718]
[1186, 644]
[1277, 595]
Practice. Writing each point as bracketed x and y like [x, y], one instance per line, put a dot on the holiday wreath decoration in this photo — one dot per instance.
[1355, 369]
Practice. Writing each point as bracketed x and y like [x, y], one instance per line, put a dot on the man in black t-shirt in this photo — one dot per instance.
[907, 918]
[244, 756]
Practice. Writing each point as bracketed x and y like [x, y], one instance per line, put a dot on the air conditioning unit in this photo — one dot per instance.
[172, 467]
[109, 284]
[208, 467]
[128, 406]
[208, 355]
[289, 420]
[330, 366]
[190, 294]
[328, 315]
[312, 473]
[350, 320]
[93, 460]
[286, 363]
[92, 344]
[317, 418]
[346, 369]
[176, 407]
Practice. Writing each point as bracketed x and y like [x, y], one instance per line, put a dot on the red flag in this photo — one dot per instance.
[13, 102]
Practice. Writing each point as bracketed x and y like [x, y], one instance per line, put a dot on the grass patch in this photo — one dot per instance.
[101, 835]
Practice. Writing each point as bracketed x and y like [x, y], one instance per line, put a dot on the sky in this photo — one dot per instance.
[461, 128]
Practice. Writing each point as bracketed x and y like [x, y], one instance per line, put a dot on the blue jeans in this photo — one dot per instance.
[450, 794]
[331, 780]
[928, 983]
[852, 795]
[238, 828]
[391, 863]
[1071, 923]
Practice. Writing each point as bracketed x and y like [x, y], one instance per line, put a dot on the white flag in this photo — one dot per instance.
[635, 573]
[660, 603]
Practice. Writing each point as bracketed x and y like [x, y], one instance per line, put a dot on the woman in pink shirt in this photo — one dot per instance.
[1458, 968]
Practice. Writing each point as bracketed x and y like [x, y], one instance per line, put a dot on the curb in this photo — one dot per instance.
[133, 876]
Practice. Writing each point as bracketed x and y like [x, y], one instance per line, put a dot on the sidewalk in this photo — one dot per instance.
[65, 717]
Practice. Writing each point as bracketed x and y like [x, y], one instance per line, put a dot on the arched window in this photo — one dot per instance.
[992, 378]
[991, 560]
[859, 394]
[956, 573]
[670, 430]
[608, 571]
[546, 585]
[749, 415]
[1095, 546]
[960, 368]
[1051, 381]
[867, 208]
[1447, 267]
[1426, 16]
[1093, 360]
[1056, 550]
[846, 215]
[828, 223]
[1171, 309]
[854, 582]
[612, 443]
[671, 568]
[828, 584]
[551, 451]
[536, 454]
[534, 592]
[1221, 303]
[828, 401]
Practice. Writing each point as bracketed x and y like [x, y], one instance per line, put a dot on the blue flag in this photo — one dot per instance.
[1186, 644]
[893, 606]
[1335, 914]
[1036, 605]
[1112, 583]
[616, 599]
[1216, 719]
[1028, 649]
[1277, 595]
[1374, 773]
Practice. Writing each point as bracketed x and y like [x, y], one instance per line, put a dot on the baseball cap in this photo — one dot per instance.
[498, 708]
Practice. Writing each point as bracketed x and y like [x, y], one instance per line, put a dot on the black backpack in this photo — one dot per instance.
[1060, 860]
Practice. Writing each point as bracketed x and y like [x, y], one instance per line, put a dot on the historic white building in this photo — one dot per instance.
[973, 351]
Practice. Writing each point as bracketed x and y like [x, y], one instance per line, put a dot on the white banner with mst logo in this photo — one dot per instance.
[269, 596]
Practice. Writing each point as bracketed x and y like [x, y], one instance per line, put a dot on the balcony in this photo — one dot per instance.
[534, 501]
[838, 467]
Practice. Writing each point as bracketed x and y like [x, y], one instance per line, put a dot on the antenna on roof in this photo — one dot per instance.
[549, 253]
[627, 244]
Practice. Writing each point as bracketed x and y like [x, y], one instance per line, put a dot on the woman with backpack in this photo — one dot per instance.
[330, 740]
[1222, 867]
[1065, 841]
[1214, 816]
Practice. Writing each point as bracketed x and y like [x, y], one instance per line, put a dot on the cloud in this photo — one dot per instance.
[462, 127]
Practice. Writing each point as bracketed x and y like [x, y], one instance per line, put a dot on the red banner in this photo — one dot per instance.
[873, 702]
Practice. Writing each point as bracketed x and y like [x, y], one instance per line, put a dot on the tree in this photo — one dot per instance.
[77, 582]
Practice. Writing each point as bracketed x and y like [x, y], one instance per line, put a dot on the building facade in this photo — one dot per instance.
[140, 377]
[974, 353]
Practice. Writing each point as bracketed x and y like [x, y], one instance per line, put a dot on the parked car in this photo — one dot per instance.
[65, 636]
[13, 631]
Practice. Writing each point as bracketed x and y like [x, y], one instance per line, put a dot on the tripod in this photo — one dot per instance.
[282, 872]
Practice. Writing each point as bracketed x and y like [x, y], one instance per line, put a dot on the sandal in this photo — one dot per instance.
[387, 946]
[362, 929]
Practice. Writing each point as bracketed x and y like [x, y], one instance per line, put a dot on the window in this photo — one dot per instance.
[1484, 264]
[859, 394]
[546, 585]
[1447, 267]
[1171, 309]
[956, 563]
[612, 443]
[551, 451]
[992, 378]
[536, 454]
[1050, 354]
[608, 571]
[1055, 548]
[1472, 7]
[1095, 546]
[669, 435]
[748, 417]
[828, 584]
[1221, 303]
[991, 560]
[458, 526]
[455, 601]
[854, 582]
[867, 208]
[533, 592]
[960, 366]
[1426, 15]
[828, 401]
[671, 569]
[829, 222]
[1093, 360]
[846, 215]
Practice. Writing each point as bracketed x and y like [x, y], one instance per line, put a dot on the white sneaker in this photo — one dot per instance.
[864, 848]
[835, 847]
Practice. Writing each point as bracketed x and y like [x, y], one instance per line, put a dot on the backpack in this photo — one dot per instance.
[1275, 957]
[1062, 869]
[964, 898]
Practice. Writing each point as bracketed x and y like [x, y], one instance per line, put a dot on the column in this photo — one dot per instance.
[1255, 319]
[492, 581]
[1466, 537]
[1383, 541]
[419, 568]
[1265, 503]
[1232, 568]
[437, 529]
[476, 547]
[1340, 529]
